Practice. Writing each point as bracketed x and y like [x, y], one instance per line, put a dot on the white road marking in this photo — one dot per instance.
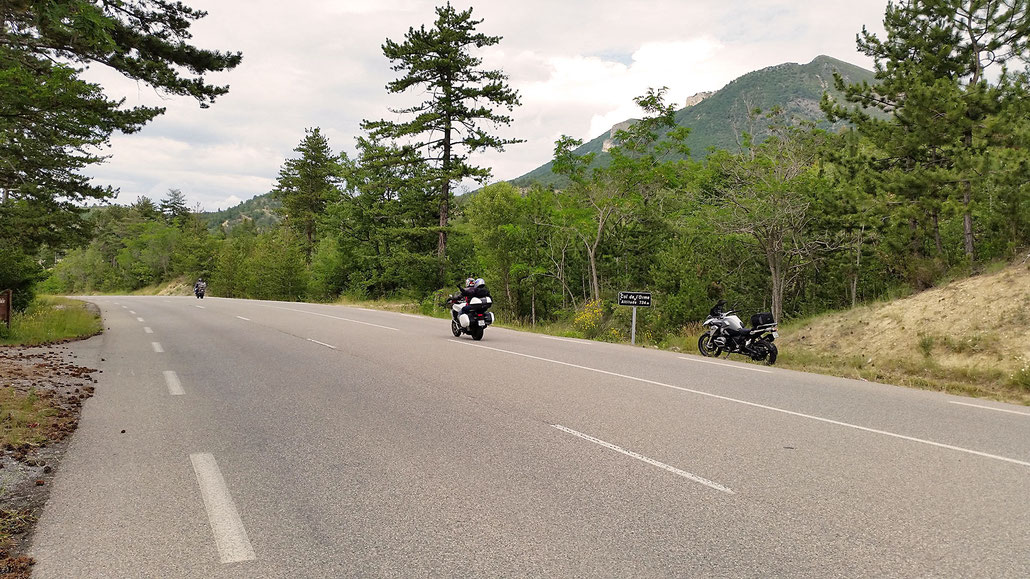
[321, 343]
[990, 408]
[226, 524]
[174, 386]
[157, 347]
[690, 359]
[139, 319]
[132, 312]
[148, 330]
[201, 307]
[650, 461]
[328, 316]
[755, 405]
[243, 318]
[125, 307]
[412, 316]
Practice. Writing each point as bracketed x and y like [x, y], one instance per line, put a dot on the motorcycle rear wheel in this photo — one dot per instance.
[706, 347]
[476, 332]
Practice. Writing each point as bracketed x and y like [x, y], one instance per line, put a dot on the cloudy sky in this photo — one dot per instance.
[577, 65]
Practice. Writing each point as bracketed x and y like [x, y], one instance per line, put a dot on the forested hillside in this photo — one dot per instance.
[803, 202]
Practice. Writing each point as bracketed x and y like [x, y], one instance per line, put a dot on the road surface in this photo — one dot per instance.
[234, 438]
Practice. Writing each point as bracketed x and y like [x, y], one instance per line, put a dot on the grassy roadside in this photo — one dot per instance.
[49, 320]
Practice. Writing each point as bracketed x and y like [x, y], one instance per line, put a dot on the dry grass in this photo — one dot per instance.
[971, 337]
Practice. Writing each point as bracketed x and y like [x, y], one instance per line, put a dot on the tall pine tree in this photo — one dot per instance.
[306, 185]
[461, 97]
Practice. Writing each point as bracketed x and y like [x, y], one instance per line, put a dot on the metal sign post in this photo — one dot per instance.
[6, 307]
[635, 299]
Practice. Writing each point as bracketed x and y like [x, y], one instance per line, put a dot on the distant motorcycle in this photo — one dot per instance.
[474, 320]
[726, 333]
[199, 289]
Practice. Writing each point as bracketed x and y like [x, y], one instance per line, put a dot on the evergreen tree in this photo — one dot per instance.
[306, 185]
[447, 126]
[933, 77]
[52, 122]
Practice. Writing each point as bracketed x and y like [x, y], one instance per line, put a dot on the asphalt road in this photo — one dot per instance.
[232, 438]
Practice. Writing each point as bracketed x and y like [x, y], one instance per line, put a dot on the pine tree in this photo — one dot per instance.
[933, 77]
[307, 185]
[447, 126]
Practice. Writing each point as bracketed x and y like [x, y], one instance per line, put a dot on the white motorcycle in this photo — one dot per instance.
[726, 333]
[471, 318]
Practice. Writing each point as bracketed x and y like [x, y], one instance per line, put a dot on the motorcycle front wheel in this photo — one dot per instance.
[706, 347]
[455, 328]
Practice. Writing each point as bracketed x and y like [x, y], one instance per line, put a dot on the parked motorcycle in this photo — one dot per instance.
[726, 333]
[476, 318]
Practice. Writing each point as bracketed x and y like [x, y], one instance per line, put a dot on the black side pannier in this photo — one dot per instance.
[762, 319]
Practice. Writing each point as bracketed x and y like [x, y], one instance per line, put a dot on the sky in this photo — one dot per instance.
[576, 64]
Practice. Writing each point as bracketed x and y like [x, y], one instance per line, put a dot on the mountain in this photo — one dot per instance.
[714, 117]
[260, 210]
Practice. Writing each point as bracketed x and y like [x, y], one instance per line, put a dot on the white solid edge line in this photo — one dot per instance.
[650, 461]
[243, 318]
[756, 405]
[148, 330]
[567, 340]
[157, 347]
[174, 385]
[689, 359]
[990, 408]
[328, 316]
[226, 524]
[321, 343]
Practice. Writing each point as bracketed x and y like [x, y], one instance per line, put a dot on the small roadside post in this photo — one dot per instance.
[635, 299]
[5, 307]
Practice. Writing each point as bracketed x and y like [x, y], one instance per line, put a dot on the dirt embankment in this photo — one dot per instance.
[48, 385]
[970, 336]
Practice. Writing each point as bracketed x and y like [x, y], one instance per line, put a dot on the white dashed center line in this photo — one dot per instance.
[157, 347]
[174, 386]
[226, 524]
[243, 318]
[322, 343]
[650, 461]
[148, 330]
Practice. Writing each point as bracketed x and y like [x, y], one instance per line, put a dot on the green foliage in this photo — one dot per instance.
[307, 185]
[447, 127]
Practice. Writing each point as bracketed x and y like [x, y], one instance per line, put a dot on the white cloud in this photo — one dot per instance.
[576, 64]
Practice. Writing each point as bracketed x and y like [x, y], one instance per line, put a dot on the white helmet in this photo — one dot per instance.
[480, 282]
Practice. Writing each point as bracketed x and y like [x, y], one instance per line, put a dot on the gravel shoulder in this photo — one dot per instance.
[63, 376]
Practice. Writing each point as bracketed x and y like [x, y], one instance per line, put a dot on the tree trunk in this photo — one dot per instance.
[595, 290]
[858, 264]
[967, 220]
[937, 233]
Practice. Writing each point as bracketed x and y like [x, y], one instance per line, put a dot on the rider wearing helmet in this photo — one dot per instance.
[474, 288]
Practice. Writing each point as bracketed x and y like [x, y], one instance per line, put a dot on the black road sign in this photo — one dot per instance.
[635, 299]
